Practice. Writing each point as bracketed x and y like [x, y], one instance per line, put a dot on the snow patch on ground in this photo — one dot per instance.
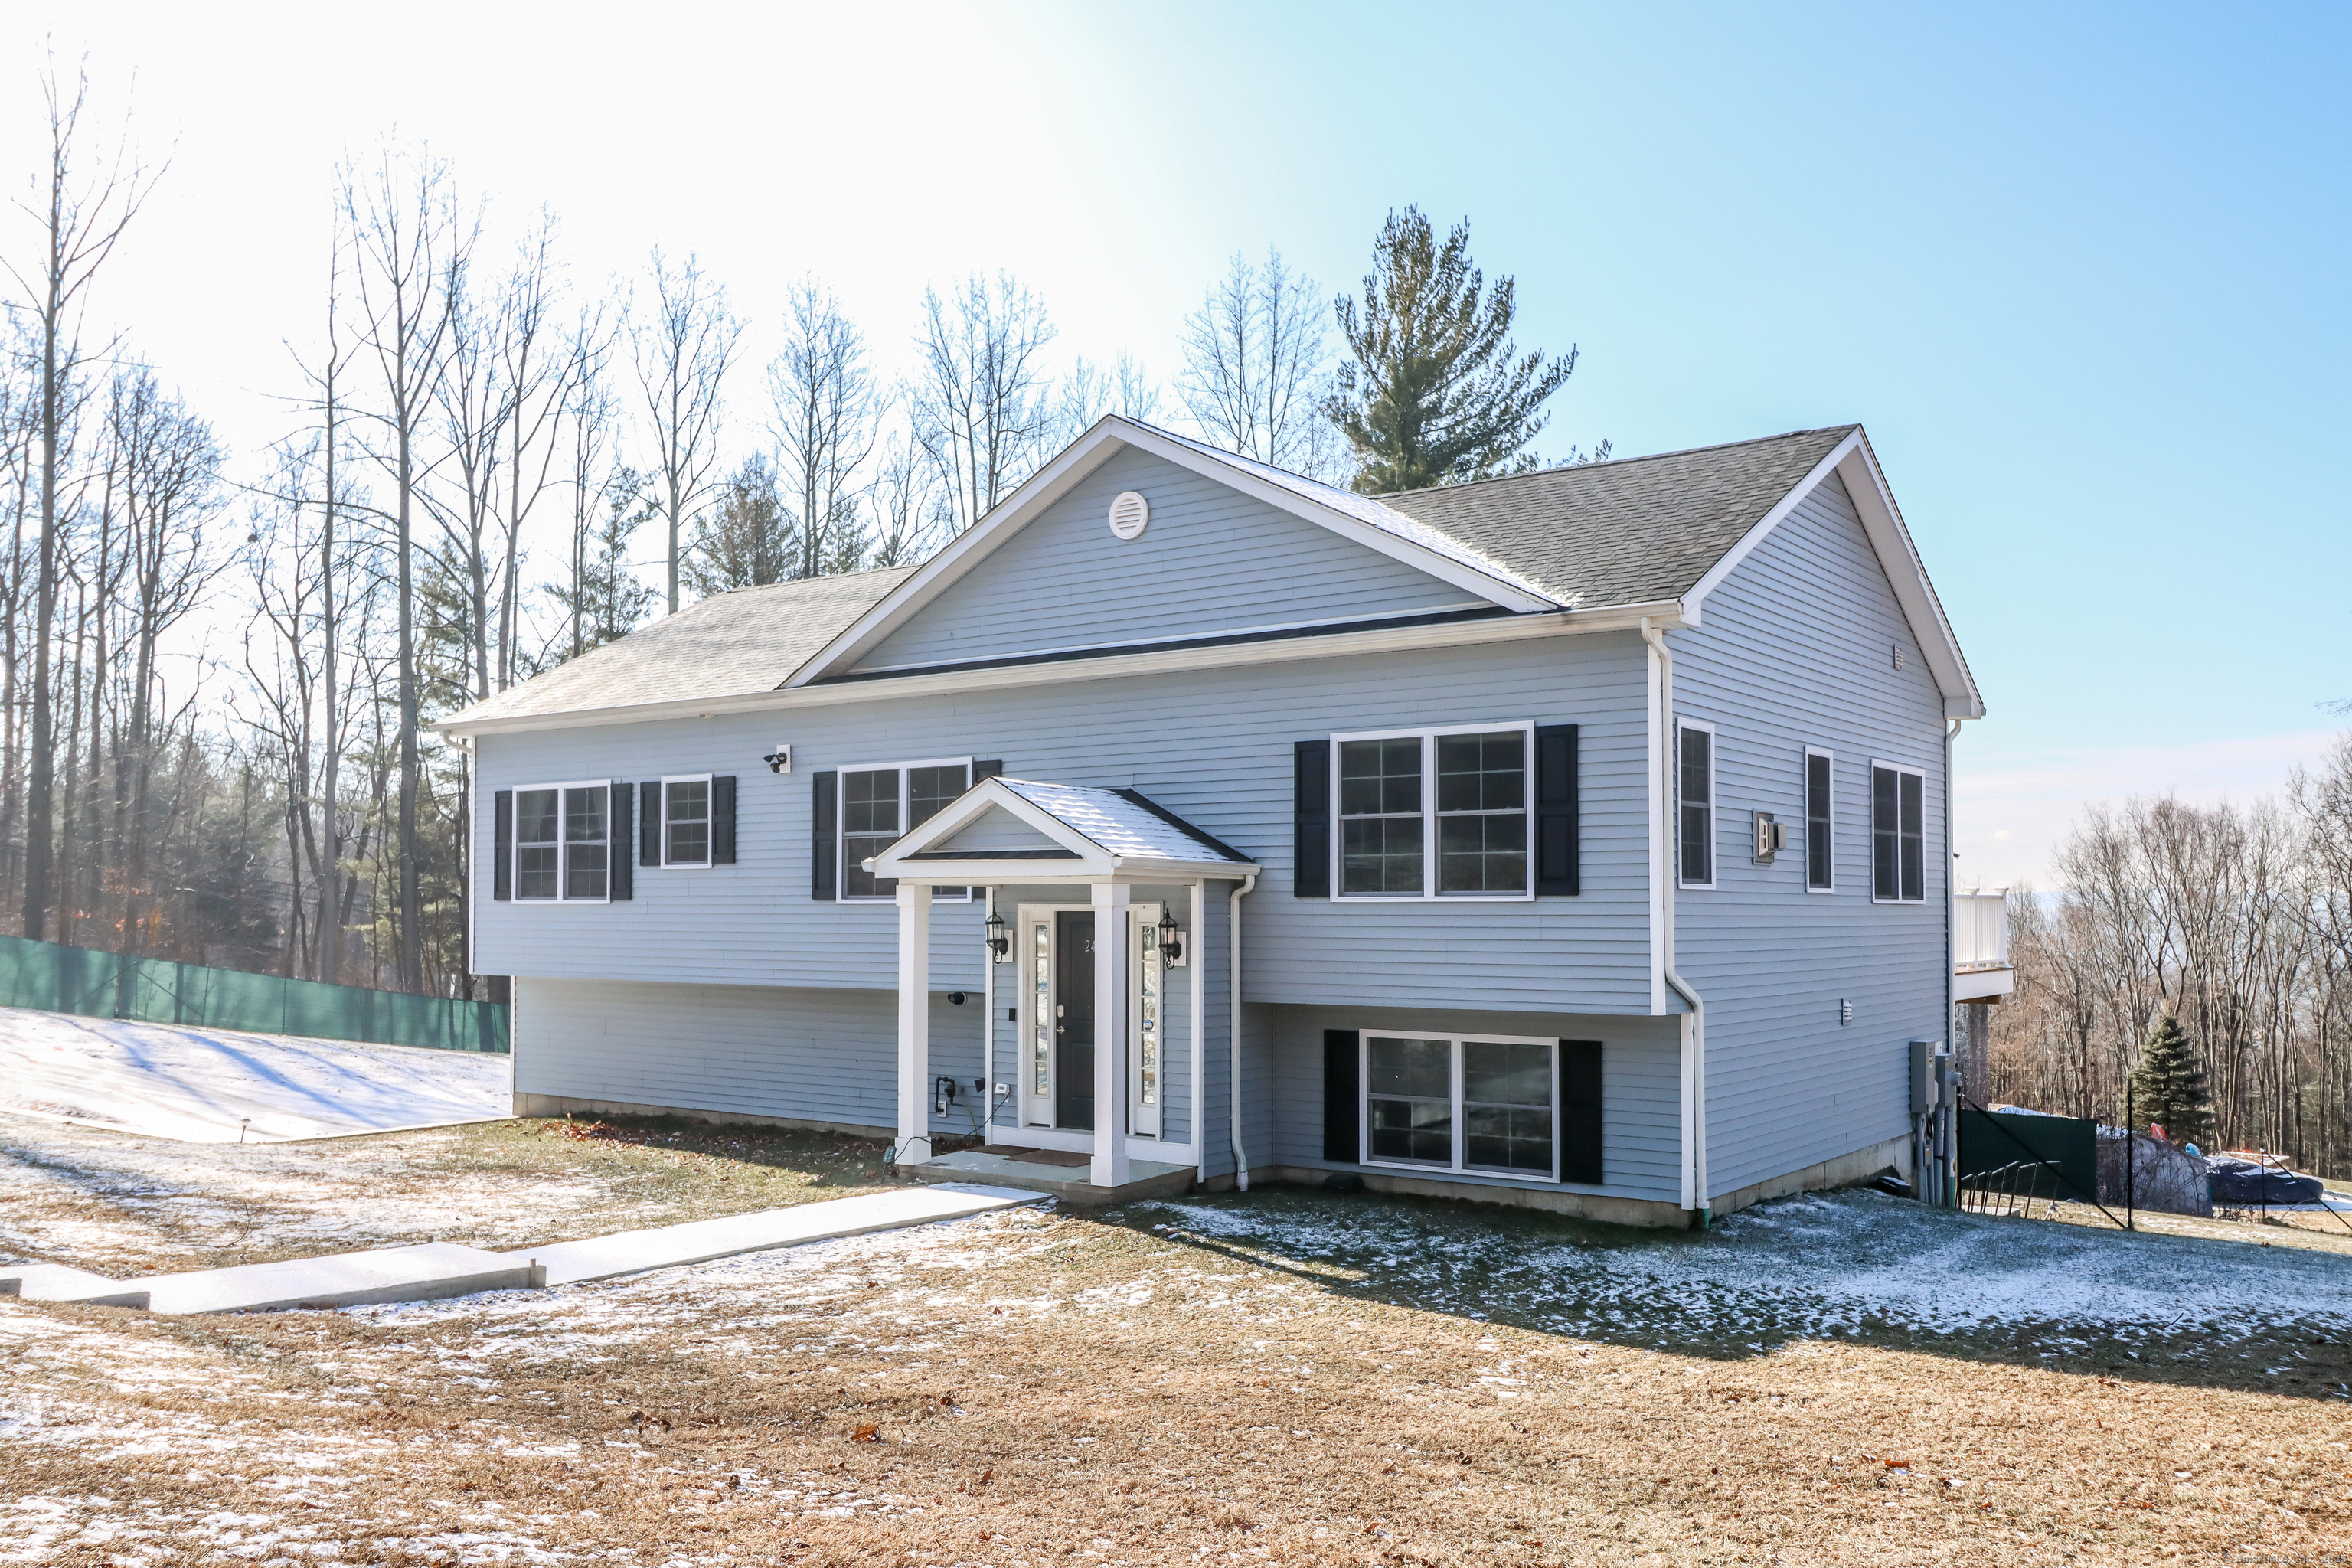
[1814, 1265]
[199, 1085]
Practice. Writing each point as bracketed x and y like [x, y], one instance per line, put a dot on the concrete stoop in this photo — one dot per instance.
[1146, 1178]
[434, 1270]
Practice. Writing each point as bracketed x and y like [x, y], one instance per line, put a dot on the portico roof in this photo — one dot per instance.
[1006, 830]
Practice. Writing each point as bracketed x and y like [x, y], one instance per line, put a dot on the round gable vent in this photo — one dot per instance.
[1129, 513]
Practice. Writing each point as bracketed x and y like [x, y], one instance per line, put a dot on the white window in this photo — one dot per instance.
[686, 820]
[1479, 1103]
[880, 802]
[1695, 803]
[1898, 834]
[564, 842]
[1457, 800]
[1820, 824]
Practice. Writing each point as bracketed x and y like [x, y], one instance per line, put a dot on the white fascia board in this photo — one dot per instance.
[1665, 614]
[1881, 521]
[967, 549]
[1132, 869]
[976, 803]
[1899, 557]
[1109, 435]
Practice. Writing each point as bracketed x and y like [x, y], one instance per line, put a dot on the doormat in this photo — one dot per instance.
[1039, 1156]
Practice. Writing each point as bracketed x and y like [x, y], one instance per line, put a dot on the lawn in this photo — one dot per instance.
[1279, 1376]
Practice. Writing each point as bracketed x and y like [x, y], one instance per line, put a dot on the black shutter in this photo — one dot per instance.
[988, 770]
[502, 838]
[649, 823]
[1579, 1111]
[623, 883]
[820, 846]
[1558, 872]
[722, 820]
[1310, 816]
[1341, 1101]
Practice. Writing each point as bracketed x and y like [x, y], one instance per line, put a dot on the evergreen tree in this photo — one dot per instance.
[744, 540]
[2169, 1087]
[609, 596]
[1437, 392]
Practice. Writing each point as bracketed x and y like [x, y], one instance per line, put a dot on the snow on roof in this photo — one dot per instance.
[1123, 821]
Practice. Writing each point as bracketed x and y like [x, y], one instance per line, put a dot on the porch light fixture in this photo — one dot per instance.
[1000, 946]
[1172, 939]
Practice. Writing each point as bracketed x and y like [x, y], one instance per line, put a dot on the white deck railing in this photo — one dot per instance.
[1980, 929]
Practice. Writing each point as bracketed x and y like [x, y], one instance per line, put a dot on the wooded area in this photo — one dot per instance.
[2238, 919]
[218, 670]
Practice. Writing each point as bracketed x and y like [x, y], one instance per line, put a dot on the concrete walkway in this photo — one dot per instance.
[438, 1269]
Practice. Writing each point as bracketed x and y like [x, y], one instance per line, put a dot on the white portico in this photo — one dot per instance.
[1061, 867]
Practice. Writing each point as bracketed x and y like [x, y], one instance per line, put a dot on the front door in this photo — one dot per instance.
[1074, 1020]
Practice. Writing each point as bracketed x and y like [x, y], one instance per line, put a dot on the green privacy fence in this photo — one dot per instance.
[59, 979]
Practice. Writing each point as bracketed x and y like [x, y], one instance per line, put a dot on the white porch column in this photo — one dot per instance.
[1114, 961]
[914, 1023]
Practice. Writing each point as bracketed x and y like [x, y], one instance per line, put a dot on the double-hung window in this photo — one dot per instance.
[1695, 803]
[1898, 834]
[1435, 813]
[882, 802]
[1821, 856]
[686, 821]
[1473, 1104]
[563, 843]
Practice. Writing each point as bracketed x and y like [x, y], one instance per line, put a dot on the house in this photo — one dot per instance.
[1577, 839]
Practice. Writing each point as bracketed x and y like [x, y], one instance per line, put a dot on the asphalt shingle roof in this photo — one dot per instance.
[1632, 531]
[1624, 532]
[729, 645]
[1122, 822]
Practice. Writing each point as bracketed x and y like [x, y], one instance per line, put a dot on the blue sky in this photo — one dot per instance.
[2079, 269]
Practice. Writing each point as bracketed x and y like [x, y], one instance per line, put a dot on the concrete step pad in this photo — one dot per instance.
[1146, 1178]
[56, 1282]
[422, 1273]
[699, 1241]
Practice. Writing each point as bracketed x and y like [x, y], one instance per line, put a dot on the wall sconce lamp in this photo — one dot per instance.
[1170, 940]
[1000, 946]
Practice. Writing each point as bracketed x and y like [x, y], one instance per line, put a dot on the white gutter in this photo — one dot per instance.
[1693, 1043]
[1234, 1029]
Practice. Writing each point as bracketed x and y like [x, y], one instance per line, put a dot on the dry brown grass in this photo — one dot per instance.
[1121, 1388]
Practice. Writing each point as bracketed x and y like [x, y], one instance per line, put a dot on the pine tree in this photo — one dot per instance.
[1438, 392]
[2169, 1086]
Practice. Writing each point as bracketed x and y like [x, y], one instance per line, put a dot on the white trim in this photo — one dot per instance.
[1854, 463]
[1271, 626]
[1805, 813]
[1664, 612]
[1460, 1119]
[514, 864]
[1871, 814]
[841, 826]
[709, 823]
[1109, 437]
[1429, 736]
[1657, 704]
[1090, 862]
[1714, 817]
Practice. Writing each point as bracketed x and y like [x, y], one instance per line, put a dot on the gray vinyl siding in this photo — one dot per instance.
[1216, 746]
[808, 1055]
[1640, 1088]
[1797, 651]
[1212, 560]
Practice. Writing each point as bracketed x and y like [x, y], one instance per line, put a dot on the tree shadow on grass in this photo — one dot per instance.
[1850, 1268]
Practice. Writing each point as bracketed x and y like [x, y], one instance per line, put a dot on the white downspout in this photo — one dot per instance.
[1695, 1182]
[1233, 1028]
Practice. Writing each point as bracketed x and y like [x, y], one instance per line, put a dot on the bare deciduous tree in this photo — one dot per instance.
[684, 345]
[828, 420]
[1257, 371]
[980, 405]
[80, 221]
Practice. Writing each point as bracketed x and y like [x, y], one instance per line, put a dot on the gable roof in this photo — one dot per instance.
[1098, 832]
[1635, 536]
[745, 641]
[1628, 531]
